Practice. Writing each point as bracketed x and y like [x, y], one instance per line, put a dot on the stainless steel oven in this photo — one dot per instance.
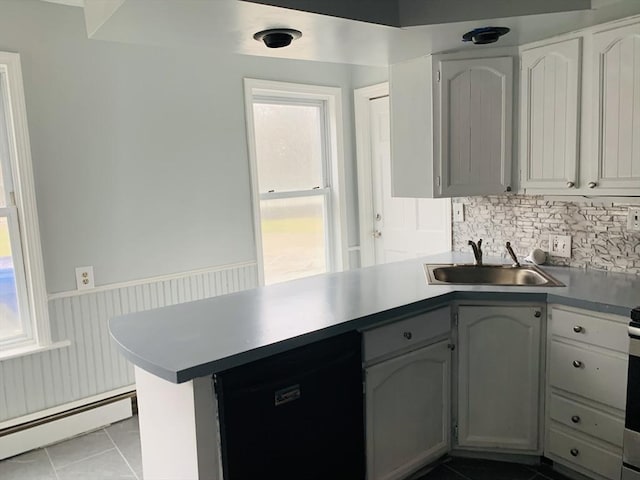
[631, 458]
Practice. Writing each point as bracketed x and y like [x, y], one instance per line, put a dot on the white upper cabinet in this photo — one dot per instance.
[451, 123]
[475, 126]
[616, 156]
[549, 107]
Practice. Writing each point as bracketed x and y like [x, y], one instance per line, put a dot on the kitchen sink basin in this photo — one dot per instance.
[529, 276]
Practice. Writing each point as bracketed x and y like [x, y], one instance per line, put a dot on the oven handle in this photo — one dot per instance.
[634, 332]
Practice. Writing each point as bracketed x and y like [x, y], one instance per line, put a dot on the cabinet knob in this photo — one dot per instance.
[451, 346]
[574, 452]
[592, 184]
[508, 189]
[376, 234]
[571, 184]
[577, 363]
[578, 329]
[538, 314]
[575, 419]
[407, 335]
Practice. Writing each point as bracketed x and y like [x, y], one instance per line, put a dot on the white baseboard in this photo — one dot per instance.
[63, 428]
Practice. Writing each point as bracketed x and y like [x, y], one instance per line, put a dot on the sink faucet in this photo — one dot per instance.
[512, 254]
[477, 251]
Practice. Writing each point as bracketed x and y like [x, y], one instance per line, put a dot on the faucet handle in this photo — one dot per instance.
[512, 254]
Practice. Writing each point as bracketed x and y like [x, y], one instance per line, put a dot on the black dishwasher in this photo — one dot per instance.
[295, 415]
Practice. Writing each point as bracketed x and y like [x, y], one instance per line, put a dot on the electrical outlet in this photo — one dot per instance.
[84, 278]
[560, 245]
[633, 219]
[458, 212]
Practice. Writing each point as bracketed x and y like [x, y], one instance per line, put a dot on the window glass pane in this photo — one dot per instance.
[288, 146]
[4, 147]
[293, 238]
[10, 325]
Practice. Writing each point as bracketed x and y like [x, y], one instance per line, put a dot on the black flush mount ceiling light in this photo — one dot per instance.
[481, 36]
[277, 37]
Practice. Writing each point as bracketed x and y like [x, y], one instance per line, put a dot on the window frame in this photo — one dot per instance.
[36, 312]
[330, 100]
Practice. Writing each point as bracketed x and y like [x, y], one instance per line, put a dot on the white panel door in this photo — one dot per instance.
[617, 73]
[499, 377]
[550, 77]
[407, 403]
[404, 227]
[475, 126]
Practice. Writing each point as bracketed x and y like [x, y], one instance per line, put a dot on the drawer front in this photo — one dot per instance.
[593, 375]
[583, 453]
[587, 420]
[590, 329]
[405, 333]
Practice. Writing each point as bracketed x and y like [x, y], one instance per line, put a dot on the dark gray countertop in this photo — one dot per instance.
[195, 339]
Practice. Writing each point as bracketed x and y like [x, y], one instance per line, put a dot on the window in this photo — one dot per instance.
[296, 165]
[23, 303]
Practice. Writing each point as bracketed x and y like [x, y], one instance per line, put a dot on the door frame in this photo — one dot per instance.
[362, 113]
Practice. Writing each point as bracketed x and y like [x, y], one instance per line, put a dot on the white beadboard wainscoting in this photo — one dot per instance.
[91, 365]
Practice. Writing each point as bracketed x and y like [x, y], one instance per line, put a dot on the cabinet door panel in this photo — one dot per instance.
[407, 412]
[498, 377]
[475, 126]
[549, 123]
[617, 64]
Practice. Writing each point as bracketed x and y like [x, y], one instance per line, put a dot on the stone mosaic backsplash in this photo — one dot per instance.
[600, 239]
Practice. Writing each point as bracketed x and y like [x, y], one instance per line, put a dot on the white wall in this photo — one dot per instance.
[140, 153]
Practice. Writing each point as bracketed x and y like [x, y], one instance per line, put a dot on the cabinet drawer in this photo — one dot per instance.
[406, 333]
[590, 329]
[587, 420]
[584, 454]
[593, 375]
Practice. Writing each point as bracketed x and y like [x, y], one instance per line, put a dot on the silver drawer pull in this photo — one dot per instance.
[575, 419]
[578, 329]
[574, 452]
[577, 364]
[408, 335]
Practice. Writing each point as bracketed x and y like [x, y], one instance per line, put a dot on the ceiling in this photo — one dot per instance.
[361, 32]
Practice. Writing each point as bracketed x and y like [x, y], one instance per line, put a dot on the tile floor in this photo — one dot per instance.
[472, 469]
[109, 453]
[113, 453]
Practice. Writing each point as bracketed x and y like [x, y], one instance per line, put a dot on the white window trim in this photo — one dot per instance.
[25, 199]
[333, 98]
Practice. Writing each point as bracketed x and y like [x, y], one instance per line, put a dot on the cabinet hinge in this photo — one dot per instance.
[455, 319]
[438, 181]
[455, 432]
[438, 76]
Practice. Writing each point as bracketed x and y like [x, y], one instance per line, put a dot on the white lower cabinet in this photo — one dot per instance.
[499, 353]
[586, 391]
[407, 405]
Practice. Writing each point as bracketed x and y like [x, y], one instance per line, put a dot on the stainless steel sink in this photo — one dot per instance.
[529, 276]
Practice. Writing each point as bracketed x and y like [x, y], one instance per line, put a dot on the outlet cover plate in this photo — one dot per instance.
[633, 219]
[560, 246]
[84, 278]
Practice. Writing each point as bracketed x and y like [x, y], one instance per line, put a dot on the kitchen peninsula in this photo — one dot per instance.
[177, 349]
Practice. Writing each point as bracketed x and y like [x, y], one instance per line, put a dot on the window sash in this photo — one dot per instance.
[26, 335]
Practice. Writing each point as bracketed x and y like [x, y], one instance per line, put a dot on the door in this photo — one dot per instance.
[550, 105]
[407, 412]
[475, 125]
[617, 73]
[403, 227]
[499, 377]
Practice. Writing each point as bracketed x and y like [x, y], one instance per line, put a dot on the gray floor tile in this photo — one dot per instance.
[107, 465]
[490, 470]
[126, 436]
[79, 448]
[33, 465]
[441, 473]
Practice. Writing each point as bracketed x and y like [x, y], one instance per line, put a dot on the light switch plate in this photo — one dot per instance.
[458, 212]
[560, 245]
[84, 278]
[633, 219]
